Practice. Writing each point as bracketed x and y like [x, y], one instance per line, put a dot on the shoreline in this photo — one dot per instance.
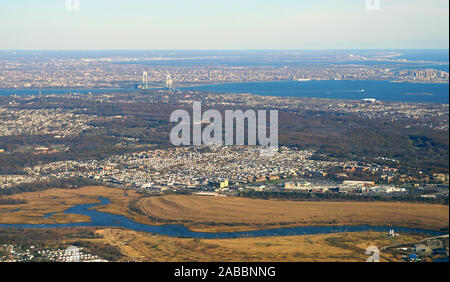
[194, 84]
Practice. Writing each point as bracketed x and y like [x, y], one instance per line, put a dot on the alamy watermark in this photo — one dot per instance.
[73, 5]
[374, 254]
[214, 133]
[373, 5]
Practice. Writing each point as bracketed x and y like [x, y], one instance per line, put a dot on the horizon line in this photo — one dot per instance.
[229, 49]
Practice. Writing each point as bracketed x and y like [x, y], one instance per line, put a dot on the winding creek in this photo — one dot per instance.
[103, 219]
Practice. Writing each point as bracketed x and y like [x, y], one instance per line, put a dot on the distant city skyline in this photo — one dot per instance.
[218, 25]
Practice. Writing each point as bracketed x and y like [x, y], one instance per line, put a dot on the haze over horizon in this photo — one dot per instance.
[222, 25]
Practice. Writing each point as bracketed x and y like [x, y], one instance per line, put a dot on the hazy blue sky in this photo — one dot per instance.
[223, 24]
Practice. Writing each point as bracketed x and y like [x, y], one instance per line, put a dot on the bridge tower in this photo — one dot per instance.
[169, 81]
[145, 80]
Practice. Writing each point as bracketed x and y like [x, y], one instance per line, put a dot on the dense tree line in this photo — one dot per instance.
[8, 201]
[66, 183]
[27, 237]
[59, 238]
[335, 136]
[303, 196]
[351, 137]
[103, 250]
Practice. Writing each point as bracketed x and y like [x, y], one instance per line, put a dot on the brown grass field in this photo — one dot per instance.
[57, 200]
[204, 213]
[343, 247]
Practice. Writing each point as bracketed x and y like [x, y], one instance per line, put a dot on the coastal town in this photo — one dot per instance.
[120, 71]
[195, 169]
[217, 169]
[13, 253]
